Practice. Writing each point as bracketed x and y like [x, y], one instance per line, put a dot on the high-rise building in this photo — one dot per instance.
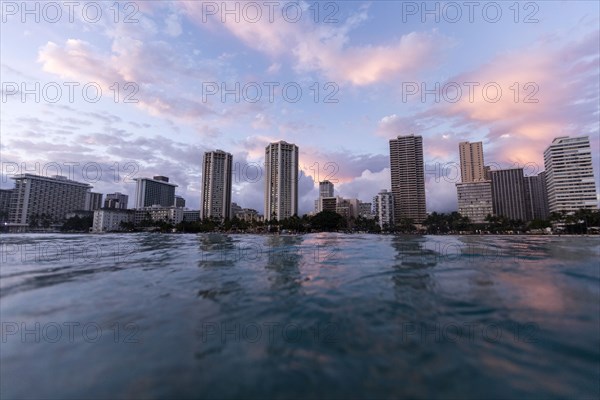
[325, 192]
[116, 200]
[570, 175]
[216, 185]
[93, 201]
[508, 194]
[471, 162]
[408, 178]
[281, 180]
[536, 196]
[179, 202]
[5, 195]
[475, 200]
[383, 208]
[325, 189]
[475, 190]
[44, 200]
[154, 192]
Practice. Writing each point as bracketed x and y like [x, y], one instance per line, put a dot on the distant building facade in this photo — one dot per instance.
[179, 202]
[475, 200]
[281, 180]
[326, 189]
[328, 204]
[191, 215]
[408, 178]
[111, 219]
[570, 175]
[154, 192]
[536, 196]
[172, 215]
[383, 208]
[116, 200]
[93, 201]
[5, 196]
[365, 210]
[248, 215]
[472, 167]
[216, 185]
[35, 196]
[508, 194]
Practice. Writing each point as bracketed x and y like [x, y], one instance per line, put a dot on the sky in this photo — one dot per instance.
[105, 92]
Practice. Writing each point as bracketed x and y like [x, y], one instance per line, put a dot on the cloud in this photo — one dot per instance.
[128, 65]
[261, 121]
[365, 186]
[173, 25]
[558, 94]
[274, 68]
[325, 48]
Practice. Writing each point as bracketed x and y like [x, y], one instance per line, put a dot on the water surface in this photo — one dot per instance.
[328, 315]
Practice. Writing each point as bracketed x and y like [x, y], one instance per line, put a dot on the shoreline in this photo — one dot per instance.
[301, 233]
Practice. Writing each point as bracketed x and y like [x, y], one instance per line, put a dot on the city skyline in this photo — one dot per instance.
[371, 61]
[506, 192]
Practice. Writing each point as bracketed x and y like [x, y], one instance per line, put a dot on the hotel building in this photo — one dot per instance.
[570, 175]
[154, 192]
[471, 162]
[53, 197]
[536, 196]
[216, 185]
[475, 200]
[408, 178]
[281, 180]
[475, 190]
[508, 194]
[116, 200]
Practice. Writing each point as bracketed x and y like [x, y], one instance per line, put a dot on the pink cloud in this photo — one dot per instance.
[325, 49]
[127, 63]
[563, 81]
[567, 99]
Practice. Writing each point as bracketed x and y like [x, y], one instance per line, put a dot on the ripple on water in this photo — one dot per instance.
[320, 315]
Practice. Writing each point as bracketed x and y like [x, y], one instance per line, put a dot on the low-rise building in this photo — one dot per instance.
[365, 210]
[111, 219]
[191, 215]
[249, 215]
[172, 215]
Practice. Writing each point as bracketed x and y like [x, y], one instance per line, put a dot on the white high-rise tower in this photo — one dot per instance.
[570, 174]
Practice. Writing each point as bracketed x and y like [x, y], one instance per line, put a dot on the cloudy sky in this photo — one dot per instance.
[105, 94]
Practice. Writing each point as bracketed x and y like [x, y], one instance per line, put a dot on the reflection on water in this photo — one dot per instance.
[321, 315]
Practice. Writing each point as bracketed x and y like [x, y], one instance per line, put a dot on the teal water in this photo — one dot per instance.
[320, 315]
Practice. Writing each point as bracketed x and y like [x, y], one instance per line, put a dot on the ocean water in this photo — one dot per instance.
[320, 315]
